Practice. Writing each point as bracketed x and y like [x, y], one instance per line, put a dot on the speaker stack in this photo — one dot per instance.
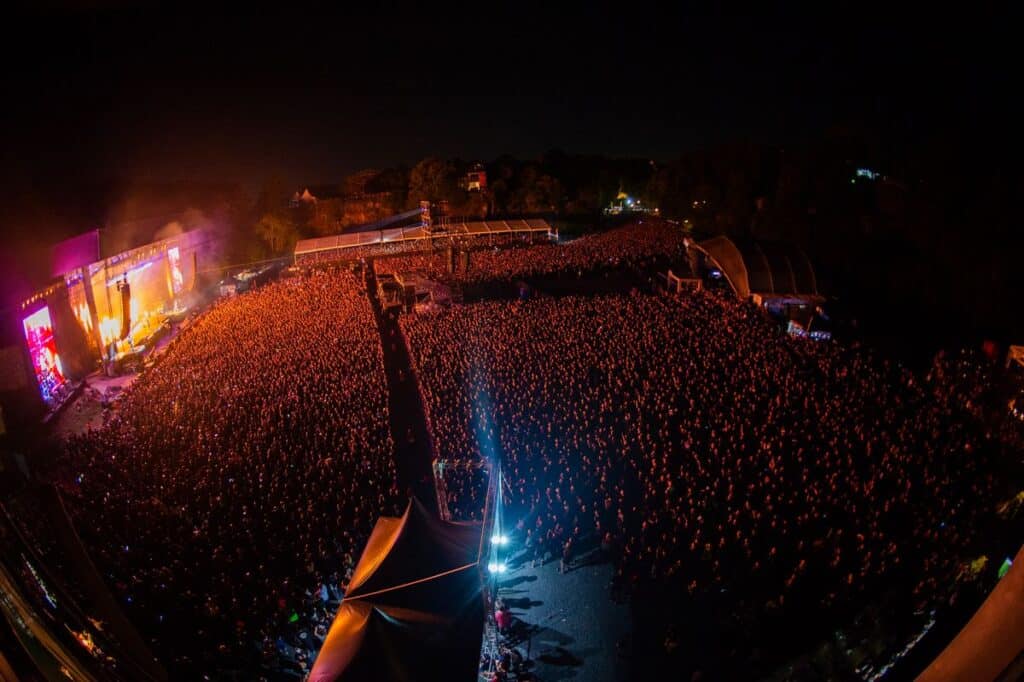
[126, 307]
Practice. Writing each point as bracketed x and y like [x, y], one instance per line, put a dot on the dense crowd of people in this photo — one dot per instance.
[230, 495]
[636, 246]
[686, 437]
[704, 449]
[463, 492]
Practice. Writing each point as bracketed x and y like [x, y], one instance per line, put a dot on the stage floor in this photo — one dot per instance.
[85, 411]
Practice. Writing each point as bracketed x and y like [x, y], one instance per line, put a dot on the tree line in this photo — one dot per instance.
[915, 232]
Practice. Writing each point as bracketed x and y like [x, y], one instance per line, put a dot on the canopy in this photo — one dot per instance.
[414, 607]
[374, 235]
[1015, 354]
[993, 638]
[762, 267]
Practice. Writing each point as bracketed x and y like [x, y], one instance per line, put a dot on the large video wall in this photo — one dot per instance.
[42, 349]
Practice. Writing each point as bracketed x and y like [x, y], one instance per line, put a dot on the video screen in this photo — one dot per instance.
[177, 278]
[43, 351]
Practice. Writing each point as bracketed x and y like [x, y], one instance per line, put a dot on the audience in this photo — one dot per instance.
[711, 451]
[230, 496]
[637, 246]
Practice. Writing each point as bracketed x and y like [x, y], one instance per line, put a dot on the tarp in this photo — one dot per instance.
[413, 609]
[991, 640]
[1015, 354]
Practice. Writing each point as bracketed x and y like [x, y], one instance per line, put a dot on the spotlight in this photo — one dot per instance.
[499, 539]
[497, 567]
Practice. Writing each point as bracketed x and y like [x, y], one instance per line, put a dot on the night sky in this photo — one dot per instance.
[114, 91]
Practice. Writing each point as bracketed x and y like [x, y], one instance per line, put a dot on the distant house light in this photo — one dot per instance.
[867, 173]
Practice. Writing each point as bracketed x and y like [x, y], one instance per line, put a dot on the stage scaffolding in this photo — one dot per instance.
[420, 233]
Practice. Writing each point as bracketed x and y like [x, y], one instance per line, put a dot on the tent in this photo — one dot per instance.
[414, 608]
[991, 644]
[375, 234]
[766, 268]
[1015, 354]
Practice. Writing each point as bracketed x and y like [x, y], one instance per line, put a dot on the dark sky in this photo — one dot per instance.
[152, 92]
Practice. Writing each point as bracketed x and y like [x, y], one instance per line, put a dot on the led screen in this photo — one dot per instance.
[43, 351]
[177, 278]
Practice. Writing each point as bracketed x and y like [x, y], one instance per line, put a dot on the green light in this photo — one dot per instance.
[1005, 568]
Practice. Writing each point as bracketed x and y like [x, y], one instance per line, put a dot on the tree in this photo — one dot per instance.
[433, 180]
[280, 234]
[499, 197]
[545, 196]
[394, 182]
[273, 196]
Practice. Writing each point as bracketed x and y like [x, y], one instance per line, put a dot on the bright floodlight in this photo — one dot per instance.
[493, 567]
[499, 539]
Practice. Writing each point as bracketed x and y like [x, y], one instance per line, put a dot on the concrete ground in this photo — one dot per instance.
[85, 410]
[567, 625]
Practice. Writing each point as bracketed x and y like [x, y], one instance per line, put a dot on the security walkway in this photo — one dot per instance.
[413, 450]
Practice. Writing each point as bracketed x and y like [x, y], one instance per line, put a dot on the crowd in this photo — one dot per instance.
[229, 496]
[463, 485]
[636, 246]
[706, 451]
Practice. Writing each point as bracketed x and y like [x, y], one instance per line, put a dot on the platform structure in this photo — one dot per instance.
[345, 245]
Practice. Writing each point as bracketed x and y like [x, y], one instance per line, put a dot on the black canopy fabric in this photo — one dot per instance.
[414, 608]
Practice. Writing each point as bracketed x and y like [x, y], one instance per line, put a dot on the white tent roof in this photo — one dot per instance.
[399, 234]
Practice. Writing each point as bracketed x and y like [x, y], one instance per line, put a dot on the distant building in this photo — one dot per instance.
[475, 179]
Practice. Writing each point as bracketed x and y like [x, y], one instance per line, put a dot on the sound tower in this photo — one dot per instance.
[126, 307]
[450, 259]
[464, 260]
[442, 213]
[425, 215]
